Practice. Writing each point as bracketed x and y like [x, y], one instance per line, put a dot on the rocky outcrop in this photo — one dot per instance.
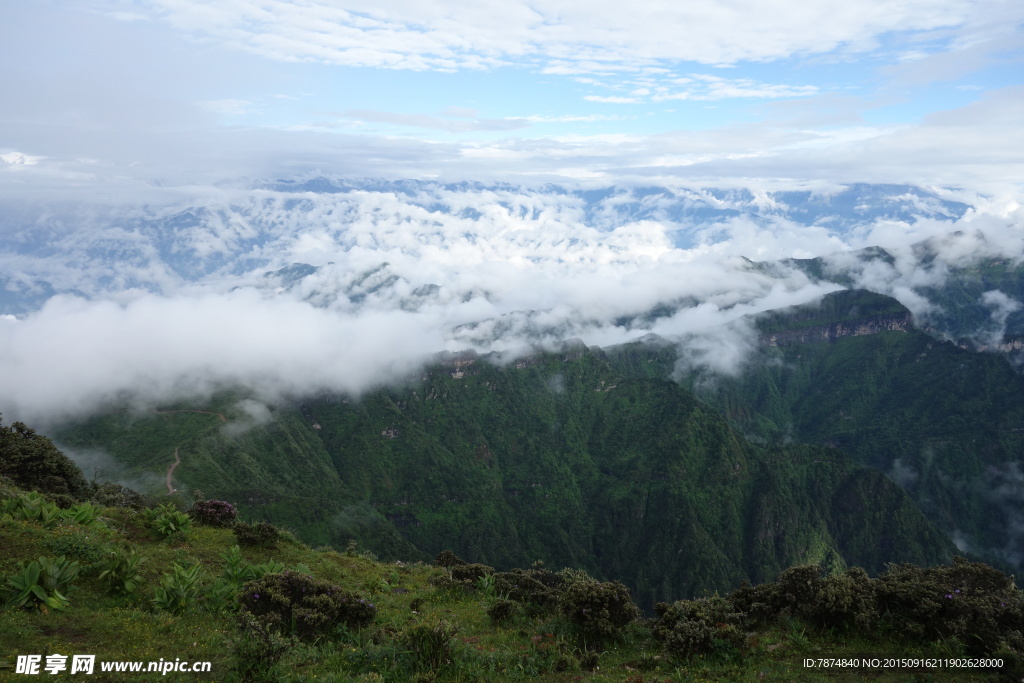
[845, 313]
[837, 330]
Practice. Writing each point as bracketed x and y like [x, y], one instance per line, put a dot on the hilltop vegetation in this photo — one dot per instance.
[133, 583]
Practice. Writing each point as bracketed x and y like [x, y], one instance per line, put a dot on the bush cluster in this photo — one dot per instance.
[968, 601]
[598, 609]
[304, 606]
[110, 495]
[707, 626]
[217, 513]
[539, 587]
[260, 534]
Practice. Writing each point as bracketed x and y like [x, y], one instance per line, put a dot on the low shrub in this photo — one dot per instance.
[537, 587]
[969, 601]
[112, 495]
[448, 559]
[470, 574]
[258, 649]
[261, 534]
[599, 610]
[304, 606]
[845, 602]
[216, 513]
[502, 611]
[708, 626]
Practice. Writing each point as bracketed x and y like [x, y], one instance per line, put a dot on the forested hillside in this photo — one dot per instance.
[558, 457]
[945, 423]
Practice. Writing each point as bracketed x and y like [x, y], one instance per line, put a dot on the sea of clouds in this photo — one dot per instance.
[148, 303]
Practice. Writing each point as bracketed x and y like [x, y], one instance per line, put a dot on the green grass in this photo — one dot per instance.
[543, 646]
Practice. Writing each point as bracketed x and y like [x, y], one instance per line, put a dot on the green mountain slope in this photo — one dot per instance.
[557, 457]
[945, 423]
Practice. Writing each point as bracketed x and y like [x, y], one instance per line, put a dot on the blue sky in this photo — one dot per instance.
[177, 91]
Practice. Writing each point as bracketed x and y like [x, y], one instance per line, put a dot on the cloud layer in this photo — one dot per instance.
[179, 300]
[415, 35]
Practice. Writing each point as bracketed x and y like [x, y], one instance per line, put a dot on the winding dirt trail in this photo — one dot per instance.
[170, 470]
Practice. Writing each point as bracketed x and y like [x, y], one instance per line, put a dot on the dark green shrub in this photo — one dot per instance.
[116, 496]
[502, 611]
[537, 587]
[261, 534]
[470, 574]
[598, 609]
[708, 626]
[217, 513]
[969, 601]
[304, 606]
[258, 649]
[845, 602]
[448, 559]
[32, 462]
[798, 587]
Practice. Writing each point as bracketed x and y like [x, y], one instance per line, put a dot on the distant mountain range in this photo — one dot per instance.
[236, 238]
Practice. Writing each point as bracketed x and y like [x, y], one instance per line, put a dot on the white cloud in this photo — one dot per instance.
[612, 99]
[460, 125]
[400, 275]
[19, 159]
[415, 35]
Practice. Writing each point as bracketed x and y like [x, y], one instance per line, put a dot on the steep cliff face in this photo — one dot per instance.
[833, 331]
[846, 313]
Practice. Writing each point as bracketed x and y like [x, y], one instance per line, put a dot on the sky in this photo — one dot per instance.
[140, 141]
[108, 97]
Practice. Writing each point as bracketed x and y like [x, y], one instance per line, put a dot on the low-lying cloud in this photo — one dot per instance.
[177, 301]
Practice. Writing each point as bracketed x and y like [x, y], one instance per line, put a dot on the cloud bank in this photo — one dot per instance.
[293, 291]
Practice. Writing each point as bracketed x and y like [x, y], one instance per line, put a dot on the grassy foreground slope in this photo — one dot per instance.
[558, 457]
[196, 596]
